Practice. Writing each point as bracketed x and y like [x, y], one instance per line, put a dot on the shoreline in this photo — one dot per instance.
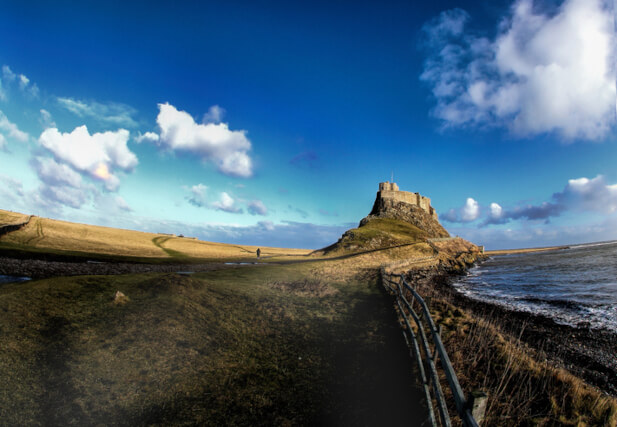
[524, 250]
[585, 352]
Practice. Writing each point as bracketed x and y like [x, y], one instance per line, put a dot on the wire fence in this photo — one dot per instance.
[469, 410]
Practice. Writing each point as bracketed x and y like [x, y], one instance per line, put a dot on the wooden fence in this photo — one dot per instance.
[470, 410]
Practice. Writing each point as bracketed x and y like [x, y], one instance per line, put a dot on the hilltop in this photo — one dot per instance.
[398, 218]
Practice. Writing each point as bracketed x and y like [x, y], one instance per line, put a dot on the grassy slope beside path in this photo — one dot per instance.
[282, 345]
[48, 236]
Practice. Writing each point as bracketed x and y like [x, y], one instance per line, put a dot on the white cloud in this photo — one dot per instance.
[469, 212]
[2, 141]
[215, 143]
[147, 137]
[496, 211]
[11, 130]
[54, 173]
[23, 82]
[97, 154]
[542, 73]
[46, 120]
[214, 115]
[198, 195]
[584, 194]
[257, 207]
[64, 195]
[226, 204]
[111, 113]
[579, 195]
[8, 74]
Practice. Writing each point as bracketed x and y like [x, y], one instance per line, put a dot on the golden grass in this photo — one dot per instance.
[9, 217]
[211, 250]
[53, 235]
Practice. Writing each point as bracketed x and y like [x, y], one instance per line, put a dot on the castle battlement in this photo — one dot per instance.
[389, 190]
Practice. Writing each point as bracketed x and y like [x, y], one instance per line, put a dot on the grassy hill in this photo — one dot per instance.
[378, 233]
[42, 235]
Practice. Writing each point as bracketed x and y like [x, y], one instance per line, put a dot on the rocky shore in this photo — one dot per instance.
[585, 352]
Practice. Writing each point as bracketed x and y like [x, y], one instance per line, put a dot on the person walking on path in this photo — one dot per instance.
[258, 252]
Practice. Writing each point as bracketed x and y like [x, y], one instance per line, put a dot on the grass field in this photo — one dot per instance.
[314, 342]
[42, 235]
[9, 217]
[265, 345]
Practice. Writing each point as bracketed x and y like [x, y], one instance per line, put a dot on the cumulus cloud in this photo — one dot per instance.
[214, 115]
[226, 204]
[147, 137]
[111, 113]
[10, 130]
[579, 195]
[60, 185]
[98, 154]
[56, 174]
[257, 207]
[198, 195]
[469, 212]
[541, 73]
[586, 194]
[213, 142]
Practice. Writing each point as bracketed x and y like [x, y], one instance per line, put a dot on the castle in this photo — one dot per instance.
[389, 190]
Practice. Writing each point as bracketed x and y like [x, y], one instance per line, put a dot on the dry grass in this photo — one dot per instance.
[42, 234]
[523, 388]
[257, 345]
[9, 217]
[211, 250]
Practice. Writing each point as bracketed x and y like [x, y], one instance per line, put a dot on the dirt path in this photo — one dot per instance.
[376, 377]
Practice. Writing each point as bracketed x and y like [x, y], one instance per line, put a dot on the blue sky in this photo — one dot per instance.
[272, 123]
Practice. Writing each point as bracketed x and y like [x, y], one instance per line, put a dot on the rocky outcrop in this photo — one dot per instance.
[415, 215]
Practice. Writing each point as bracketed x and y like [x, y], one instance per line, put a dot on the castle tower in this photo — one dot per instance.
[389, 190]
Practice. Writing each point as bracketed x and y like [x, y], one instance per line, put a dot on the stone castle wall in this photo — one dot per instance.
[389, 190]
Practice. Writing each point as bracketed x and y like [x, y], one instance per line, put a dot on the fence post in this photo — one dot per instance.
[478, 401]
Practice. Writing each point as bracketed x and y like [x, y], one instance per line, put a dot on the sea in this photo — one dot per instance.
[12, 279]
[575, 286]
